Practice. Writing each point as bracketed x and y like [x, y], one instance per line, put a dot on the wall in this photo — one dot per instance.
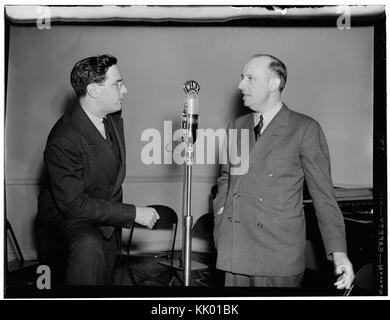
[330, 78]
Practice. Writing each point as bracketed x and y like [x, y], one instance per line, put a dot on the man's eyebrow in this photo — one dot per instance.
[119, 80]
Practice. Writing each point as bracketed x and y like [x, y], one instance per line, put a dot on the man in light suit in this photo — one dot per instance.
[85, 161]
[259, 228]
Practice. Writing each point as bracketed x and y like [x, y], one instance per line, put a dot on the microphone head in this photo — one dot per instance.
[191, 89]
[192, 104]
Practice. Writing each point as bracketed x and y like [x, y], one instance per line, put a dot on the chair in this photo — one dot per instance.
[363, 284]
[19, 270]
[168, 221]
[202, 235]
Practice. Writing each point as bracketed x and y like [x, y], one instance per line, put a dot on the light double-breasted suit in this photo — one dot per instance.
[261, 230]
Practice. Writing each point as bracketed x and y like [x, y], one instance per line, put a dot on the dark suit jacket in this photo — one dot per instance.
[84, 182]
[262, 228]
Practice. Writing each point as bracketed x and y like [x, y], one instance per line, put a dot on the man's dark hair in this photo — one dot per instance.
[277, 67]
[90, 70]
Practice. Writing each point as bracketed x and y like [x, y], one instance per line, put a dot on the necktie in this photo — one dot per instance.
[258, 127]
[107, 131]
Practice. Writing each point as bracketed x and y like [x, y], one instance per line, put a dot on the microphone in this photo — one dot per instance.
[190, 119]
[190, 115]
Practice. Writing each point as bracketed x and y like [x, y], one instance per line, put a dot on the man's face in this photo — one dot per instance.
[255, 83]
[111, 92]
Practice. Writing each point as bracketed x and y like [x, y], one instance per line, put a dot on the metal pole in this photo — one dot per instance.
[187, 223]
[183, 210]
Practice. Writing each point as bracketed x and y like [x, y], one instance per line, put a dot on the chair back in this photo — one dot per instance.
[203, 230]
[214, 191]
[168, 220]
[168, 217]
[213, 194]
[363, 284]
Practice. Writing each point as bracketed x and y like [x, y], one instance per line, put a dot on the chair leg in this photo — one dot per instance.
[131, 275]
[173, 275]
[171, 280]
[123, 259]
[129, 272]
[179, 279]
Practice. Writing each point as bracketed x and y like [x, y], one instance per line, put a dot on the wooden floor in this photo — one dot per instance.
[136, 271]
[150, 270]
[135, 276]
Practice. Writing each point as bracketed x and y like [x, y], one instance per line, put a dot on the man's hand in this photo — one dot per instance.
[343, 267]
[146, 216]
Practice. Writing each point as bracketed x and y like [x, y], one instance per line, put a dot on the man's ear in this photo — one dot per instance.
[274, 83]
[92, 90]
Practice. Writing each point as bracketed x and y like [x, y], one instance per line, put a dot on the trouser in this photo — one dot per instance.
[91, 257]
[240, 280]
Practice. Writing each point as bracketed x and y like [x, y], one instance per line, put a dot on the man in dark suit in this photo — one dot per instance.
[259, 219]
[85, 161]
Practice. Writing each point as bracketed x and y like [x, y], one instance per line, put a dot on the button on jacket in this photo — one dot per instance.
[270, 239]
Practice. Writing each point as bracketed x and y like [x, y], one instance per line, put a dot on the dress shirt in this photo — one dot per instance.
[97, 122]
[267, 116]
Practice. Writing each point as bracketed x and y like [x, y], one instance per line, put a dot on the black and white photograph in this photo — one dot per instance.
[195, 151]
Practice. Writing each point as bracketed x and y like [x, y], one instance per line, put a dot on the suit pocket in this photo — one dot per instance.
[217, 223]
[284, 159]
[292, 230]
[283, 234]
[283, 155]
[285, 171]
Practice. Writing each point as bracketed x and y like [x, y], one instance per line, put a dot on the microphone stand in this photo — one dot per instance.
[189, 125]
[187, 217]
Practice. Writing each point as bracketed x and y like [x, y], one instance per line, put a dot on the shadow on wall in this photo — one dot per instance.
[239, 108]
[70, 101]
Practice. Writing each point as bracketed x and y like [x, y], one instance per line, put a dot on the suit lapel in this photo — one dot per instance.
[272, 134]
[95, 145]
[250, 125]
[117, 124]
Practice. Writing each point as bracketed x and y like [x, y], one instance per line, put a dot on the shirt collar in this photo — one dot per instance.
[268, 115]
[95, 119]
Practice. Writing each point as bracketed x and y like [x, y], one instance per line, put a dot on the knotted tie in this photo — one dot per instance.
[258, 127]
[107, 130]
